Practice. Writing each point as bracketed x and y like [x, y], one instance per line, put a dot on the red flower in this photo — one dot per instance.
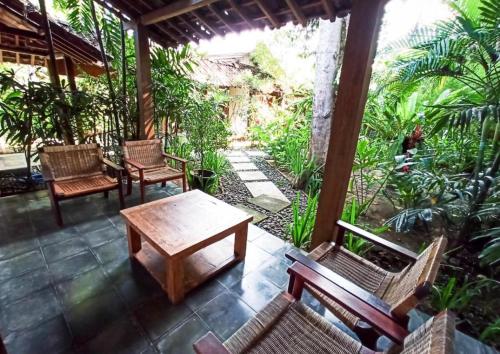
[406, 169]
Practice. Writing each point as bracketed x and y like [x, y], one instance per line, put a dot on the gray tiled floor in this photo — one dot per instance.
[75, 290]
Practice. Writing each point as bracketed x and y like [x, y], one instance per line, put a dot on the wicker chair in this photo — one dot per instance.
[145, 162]
[77, 170]
[286, 325]
[397, 292]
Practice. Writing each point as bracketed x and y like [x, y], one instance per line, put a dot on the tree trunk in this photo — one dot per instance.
[108, 72]
[67, 132]
[328, 60]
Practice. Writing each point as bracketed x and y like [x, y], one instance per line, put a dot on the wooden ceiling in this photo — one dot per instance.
[173, 22]
[22, 40]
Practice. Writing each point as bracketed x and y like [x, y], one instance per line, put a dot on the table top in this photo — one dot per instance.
[185, 222]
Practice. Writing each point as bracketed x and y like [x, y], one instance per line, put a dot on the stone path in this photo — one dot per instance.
[264, 192]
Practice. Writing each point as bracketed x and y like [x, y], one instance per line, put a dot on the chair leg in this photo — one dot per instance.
[367, 335]
[143, 191]
[184, 183]
[55, 205]
[120, 193]
[163, 184]
[129, 185]
[106, 194]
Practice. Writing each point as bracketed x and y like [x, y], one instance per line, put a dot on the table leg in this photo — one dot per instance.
[175, 279]
[240, 242]
[134, 241]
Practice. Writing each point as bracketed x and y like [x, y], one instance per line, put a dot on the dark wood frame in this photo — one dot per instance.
[371, 312]
[54, 198]
[143, 183]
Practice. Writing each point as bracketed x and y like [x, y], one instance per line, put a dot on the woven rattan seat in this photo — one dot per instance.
[74, 187]
[77, 170]
[145, 162]
[401, 291]
[287, 326]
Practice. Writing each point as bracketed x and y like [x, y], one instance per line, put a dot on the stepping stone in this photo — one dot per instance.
[234, 153]
[257, 216]
[252, 176]
[259, 188]
[238, 159]
[274, 205]
[256, 153]
[244, 166]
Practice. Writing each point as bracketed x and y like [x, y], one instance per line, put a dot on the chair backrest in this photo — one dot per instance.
[71, 161]
[412, 283]
[146, 152]
[436, 336]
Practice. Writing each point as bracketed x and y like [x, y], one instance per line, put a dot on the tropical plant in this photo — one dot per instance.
[491, 331]
[453, 296]
[300, 230]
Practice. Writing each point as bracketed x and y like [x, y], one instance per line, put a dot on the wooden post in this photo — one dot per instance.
[70, 72]
[364, 25]
[144, 83]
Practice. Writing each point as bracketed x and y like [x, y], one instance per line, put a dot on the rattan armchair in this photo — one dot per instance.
[286, 325]
[396, 292]
[77, 170]
[145, 162]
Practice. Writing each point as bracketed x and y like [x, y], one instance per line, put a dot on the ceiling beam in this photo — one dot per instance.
[20, 32]
[297, 12]
[330, 11]
[220, 16]
[237, 8]
[206, 24]
[269, 14]
[28, 51]
[197, 31]
[174, 9]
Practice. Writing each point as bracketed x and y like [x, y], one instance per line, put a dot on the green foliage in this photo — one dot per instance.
[453, 296]
[491, 331]
[266, 62]
[300, 230]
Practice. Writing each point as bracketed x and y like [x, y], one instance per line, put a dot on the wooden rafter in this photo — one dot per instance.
[327, 5]
[20, 32]
[174, 9]
[269, 14]
[297, 12]
[237, 8]
[220, 16]
[181, 31]
[197, 31]
[23, 50]
[206, 24]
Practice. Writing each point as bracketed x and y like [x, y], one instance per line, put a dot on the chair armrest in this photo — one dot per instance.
[379, 241]
[172, 157]
[113, 165]
[209, 344]
[383, 322]
[340, 281]
[136, 164]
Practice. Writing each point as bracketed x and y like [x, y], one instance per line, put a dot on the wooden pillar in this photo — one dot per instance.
[144, 83]
[70, 72]
[361, 43]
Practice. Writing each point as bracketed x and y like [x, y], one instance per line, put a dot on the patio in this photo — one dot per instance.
[75, 289]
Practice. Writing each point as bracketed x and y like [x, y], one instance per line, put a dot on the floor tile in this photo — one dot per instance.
[92, 316]
[257, 216]
[254, 232]
[17, 288]
[60, 250]
[269, 243]
[69, 267]
[99, 237]
[159, 315]
[58, 236]
[274, 205]
[76, 290]
[276, 273]
[16, 246]
[123, 336]
[182, 338]
[50, 337]
[255, 290]
[238, 159]
[202, 295]
[115, 250]
[21, 264]
[92, 225]
[268, 188]
[29, 312]
[225, 314]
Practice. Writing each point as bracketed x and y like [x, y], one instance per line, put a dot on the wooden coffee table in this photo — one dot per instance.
[183, 240]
